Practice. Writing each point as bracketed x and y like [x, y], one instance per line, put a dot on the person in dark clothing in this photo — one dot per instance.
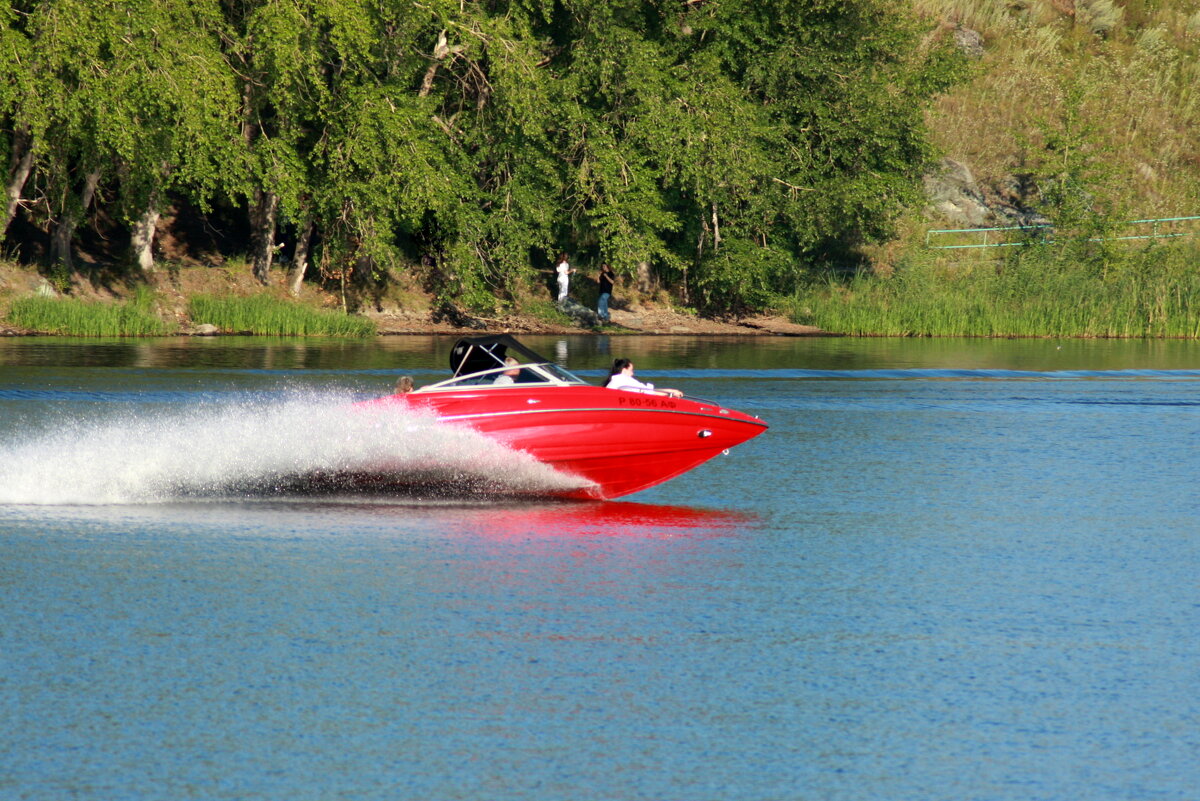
[606, 279]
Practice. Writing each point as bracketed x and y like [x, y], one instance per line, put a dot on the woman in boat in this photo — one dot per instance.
[621, 377]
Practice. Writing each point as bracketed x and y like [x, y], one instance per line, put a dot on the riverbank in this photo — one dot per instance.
[646, 318]
[403, 310]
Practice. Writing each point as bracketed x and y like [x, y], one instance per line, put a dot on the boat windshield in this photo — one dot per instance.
[546, 374]
[561, 374]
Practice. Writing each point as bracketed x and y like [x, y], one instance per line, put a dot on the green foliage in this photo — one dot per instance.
[846, 85]
[742, 277]
[264, 315]
[15, 78]
[1075, 177]
[734, 146]
[139, 90]
[71, 317]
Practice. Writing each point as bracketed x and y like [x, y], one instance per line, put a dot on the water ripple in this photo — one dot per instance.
[936, 374]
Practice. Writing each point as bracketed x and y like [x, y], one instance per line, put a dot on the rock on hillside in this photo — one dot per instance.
[955, 196]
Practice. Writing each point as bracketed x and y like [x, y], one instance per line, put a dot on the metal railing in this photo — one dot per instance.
[1001, 236]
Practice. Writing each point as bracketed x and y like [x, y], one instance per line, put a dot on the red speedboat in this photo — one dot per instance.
[621, 441]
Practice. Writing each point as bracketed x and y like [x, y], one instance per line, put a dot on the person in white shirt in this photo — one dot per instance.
[621, 377]
[564, 270]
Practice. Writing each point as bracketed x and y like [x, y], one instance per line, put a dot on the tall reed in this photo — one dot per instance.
[1038, 292]
[72, 317]
[261, 314]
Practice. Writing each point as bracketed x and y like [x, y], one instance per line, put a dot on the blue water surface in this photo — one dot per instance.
[925, 581]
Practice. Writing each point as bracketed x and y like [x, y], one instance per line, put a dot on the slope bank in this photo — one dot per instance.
[402, 309]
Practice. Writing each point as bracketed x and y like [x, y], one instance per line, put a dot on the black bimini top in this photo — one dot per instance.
[474, 354]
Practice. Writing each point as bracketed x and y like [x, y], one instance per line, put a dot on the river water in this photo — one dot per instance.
[952, 569]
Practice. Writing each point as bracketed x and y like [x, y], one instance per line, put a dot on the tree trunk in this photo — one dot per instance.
[142, 242]
[440, 51]
[89, 190]
[60, 243]
[300, 259]
[20, 166]
[61, 250]
[716, 229]
[645, 281]
[263, 234]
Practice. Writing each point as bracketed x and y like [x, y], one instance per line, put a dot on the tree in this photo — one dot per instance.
[731, 145]
[135, 94]
[844, 85]
[18, 107]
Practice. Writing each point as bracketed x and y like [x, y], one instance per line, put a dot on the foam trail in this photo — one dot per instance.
[257, 446]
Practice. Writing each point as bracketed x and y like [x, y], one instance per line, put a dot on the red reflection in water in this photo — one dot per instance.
[531, 560]
[599, 519]
[558, 519]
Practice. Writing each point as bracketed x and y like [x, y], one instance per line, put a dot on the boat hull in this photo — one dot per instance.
[620, 442]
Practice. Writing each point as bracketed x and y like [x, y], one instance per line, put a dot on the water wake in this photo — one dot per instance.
[293, 445]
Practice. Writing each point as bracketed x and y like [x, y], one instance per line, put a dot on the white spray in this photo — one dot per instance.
[290, 444]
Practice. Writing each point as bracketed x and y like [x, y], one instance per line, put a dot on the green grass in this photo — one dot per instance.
[546, 311]
[72, 317]
[1039, 292]
[261, 314]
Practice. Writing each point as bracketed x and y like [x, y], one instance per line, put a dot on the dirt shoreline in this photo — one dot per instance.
[643, 321]
[649, 322]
